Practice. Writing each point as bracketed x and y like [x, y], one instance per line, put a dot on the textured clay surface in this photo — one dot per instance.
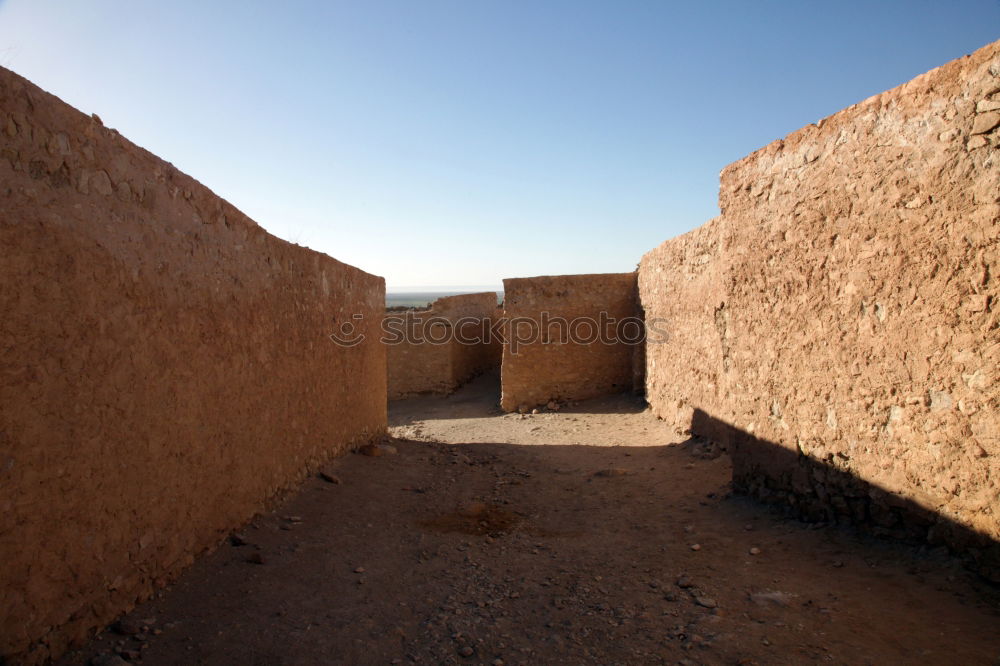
[439, 349]
[856, 335]
[557, 344]
[682, 292]
[166, 370]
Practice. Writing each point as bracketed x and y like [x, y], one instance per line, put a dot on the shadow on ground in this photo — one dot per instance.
[496, 553]
[827, 490]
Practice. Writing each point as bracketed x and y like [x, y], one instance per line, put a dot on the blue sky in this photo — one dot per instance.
[461, 142]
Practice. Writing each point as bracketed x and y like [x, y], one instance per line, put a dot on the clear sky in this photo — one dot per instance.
[460, 142]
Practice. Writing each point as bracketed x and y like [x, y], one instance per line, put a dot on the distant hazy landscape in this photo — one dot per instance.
[419, 299]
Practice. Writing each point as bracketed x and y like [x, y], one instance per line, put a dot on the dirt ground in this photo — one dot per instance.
[591, 535]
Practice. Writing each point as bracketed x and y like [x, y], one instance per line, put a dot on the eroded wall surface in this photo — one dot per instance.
[863, 296]
[859, 347]
[546, 356]
[439, 349]
[166, 369]
[475, 322]
[682, 290]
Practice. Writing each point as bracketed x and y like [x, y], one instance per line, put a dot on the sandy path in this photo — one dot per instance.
[477, 544]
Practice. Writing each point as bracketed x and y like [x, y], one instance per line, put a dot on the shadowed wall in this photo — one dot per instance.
[166, 370]
[439, 349]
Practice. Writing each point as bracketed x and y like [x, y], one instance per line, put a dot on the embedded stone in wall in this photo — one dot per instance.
[568, 337]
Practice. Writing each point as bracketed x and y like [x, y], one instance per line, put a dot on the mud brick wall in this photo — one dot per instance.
[551, 365]
[860, 345]
[165, 370]
[438, 354]
[682, 293]
[474, 319]
[864, 304]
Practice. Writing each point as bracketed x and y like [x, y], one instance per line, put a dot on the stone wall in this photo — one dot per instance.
[546, 356]
[857, 349]
[443, 347]
[166, 370]
[683, 294]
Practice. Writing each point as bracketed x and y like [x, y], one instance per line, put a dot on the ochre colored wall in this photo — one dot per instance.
[855, 269]
[166, 370]
[438, 354]
[682, 290]
[544, 362]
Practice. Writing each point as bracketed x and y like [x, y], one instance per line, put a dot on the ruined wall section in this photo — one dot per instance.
[443, 347]
[852, 349]
[553, 362]
[682, 293]
[863, 292]
[165, 369]
[473, 318]
[413, 364]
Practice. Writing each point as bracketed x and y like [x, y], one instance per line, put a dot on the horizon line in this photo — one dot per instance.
[442, 287]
